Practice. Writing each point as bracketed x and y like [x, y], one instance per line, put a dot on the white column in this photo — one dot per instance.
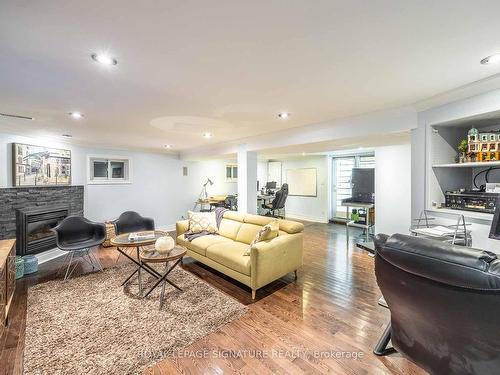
[247, 180]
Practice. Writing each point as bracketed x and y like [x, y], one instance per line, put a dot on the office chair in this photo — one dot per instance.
[77, 236]
[444, 301]
[231, 203]
[278, 202]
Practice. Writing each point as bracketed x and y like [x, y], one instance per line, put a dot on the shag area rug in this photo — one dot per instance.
[92, 325]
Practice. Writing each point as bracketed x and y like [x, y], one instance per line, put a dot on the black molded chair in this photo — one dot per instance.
[444, 302]
[278, 202]
[131, 221]
[77, 236]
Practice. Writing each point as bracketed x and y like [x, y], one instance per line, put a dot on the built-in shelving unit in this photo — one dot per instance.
[445, 174]
[468, 214]
[484, 164]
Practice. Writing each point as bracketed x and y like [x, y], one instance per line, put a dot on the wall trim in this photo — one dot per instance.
[49, 255]
[314, 219]
[55, 253]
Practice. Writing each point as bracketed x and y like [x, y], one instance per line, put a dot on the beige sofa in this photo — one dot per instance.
[268, 260]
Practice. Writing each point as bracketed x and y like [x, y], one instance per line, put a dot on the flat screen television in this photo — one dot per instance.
[363, 184]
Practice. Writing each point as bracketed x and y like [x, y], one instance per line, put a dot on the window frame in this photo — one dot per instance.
[234, 167]
[127, 170]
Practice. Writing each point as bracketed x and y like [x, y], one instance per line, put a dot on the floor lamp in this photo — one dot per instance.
[203, 194]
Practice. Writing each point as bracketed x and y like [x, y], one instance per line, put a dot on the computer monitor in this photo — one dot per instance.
[271, 185]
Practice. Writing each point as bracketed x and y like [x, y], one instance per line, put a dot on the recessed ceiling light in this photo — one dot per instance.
[207, 135]
[104, 59]
[76, 115]
[283, 115]
[67, 135]
[493, 59]
[168, 146]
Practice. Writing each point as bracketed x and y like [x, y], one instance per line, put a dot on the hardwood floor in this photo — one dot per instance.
[309, 325]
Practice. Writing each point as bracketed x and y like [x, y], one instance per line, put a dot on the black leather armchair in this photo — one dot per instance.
[444, 302]
[278, 202]
[77, 236]
[131, 221]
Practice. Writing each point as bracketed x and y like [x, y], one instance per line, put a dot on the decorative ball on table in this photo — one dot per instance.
[164, 245]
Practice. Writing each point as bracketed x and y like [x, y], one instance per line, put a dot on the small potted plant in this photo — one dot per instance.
[463, 147]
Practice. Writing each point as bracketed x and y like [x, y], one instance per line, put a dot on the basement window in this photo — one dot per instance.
[109, 170]
[231, 173]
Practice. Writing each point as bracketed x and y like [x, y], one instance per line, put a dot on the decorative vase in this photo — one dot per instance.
[164, 245]
[19, 267]
[463, 157]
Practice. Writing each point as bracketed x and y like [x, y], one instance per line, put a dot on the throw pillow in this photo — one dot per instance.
[268, 232]
[202, 221]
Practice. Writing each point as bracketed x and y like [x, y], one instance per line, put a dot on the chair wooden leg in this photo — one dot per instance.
[253, 293]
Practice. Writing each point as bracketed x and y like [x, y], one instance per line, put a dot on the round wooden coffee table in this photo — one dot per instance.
[175, 255]
[122, 240]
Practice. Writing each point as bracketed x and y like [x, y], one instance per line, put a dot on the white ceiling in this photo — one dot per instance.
[229, 66]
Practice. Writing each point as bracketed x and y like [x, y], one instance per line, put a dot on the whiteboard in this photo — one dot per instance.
[302, 182]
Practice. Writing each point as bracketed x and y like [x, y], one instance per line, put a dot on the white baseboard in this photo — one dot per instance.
[167, 228]
[315, 219]
[49, 255]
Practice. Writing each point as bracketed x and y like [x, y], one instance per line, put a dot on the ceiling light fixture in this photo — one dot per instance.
[493, 59]
[104, 59]
[168, 146]
[76, 115]
[67, 135]
[207, 135]
[283, 115]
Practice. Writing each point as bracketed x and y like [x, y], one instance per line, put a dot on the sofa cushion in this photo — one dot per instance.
[230, 254]
[247, 233]
[200, 244]
[229, 228]
[291, 227]
[288, 226]
[234, 215]
[258, 219]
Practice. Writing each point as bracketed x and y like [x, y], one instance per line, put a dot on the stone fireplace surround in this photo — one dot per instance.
[26, 198]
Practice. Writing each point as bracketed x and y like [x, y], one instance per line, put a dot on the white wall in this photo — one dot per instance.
[305, 208]
[199, 172]
[393, 189]
[157, 188]
[262, 173]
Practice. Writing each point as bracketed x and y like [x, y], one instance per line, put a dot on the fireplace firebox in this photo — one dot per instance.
[34, 225]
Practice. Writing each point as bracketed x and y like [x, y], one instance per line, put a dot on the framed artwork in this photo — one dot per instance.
[40, 166]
